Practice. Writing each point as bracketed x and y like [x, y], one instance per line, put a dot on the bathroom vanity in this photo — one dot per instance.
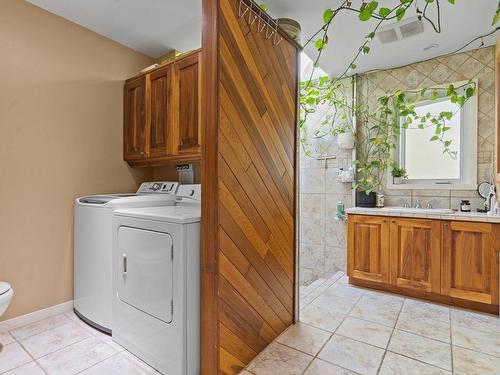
[444, 257]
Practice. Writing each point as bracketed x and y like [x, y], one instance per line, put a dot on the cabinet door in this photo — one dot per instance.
[160, 112]
[368, 248]
[416, 254]
[188, 123]
[134, 122]
[470, 266]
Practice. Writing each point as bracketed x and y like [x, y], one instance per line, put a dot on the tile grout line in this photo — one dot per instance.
[336, 329]
[29, 354]
[390, 337]
[36, 360]
[451, 341]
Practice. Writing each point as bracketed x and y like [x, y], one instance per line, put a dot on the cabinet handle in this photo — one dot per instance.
[394, 221]
[384, 221]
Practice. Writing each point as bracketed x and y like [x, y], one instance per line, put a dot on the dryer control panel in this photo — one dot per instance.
[158, 187]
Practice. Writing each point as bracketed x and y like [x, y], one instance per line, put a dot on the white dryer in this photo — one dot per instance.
[94, 244]
[156, 266]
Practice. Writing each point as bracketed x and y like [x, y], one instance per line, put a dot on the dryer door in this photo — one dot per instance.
[145, 275]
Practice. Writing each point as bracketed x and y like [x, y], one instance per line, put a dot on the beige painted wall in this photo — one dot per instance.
[60, 138]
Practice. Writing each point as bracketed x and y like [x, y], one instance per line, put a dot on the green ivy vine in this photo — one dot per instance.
[380, 127]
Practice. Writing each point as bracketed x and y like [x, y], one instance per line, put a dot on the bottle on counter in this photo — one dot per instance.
[465, 206]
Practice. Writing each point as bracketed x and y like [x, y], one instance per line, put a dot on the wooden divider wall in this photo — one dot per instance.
[249, 109]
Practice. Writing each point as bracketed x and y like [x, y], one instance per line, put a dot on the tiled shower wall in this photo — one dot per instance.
[323, 237]
[480, 64]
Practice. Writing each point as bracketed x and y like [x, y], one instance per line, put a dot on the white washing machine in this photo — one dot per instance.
[94, 244]
[156, 266]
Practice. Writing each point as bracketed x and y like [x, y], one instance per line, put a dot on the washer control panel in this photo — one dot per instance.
[158, 187]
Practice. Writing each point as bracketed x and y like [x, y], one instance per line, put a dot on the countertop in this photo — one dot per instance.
[463, 216]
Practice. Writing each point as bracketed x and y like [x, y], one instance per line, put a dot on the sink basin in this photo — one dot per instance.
[419, 210]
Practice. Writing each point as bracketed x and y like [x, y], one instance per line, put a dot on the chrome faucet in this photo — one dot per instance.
[429, 205]
[406, 204]
[418, 205]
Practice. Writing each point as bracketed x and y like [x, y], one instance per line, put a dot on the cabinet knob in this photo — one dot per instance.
[394, 221]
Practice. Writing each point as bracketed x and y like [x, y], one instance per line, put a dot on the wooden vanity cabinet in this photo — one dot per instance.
[453, 262]
[415, 259]
[470, 265]
[368, 248]
[161, 114]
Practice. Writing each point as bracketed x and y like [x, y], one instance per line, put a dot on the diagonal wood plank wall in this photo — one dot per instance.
[254, 187]
[256, 168]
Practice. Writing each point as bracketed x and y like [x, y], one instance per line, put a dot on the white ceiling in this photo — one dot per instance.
[155, 27]
[460, 23]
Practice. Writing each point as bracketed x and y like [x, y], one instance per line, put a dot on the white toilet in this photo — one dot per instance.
[6, 294]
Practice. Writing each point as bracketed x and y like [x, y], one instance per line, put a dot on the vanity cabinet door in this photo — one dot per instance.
[470, 265]
[134, 120]
[416, 254]
[368, 248]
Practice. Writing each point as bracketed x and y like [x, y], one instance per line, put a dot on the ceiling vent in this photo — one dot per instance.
[400, 30]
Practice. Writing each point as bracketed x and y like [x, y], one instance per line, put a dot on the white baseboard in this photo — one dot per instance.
[35, 316]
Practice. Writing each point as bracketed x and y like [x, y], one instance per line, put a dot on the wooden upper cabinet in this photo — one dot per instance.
[470, 265]
[187, 75]
[416, 254]
[134, 122]
[160, 112]
[368, 248]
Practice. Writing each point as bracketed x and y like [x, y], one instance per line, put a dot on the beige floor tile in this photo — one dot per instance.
[376, 312]
[368, 332]
[54, 339]
[426, 310]
[321, 318]
[245, 372]
[427, 350]
[382, 298]
[107, 339]
[120, 364]
[76, 357]
[468, 362]
[280, 359]
[6, 338]
[71, 314]
[12, 356]
[40, 326]
[479, 321]
[304, 338]
[29, 369]
[434, 329]
[470, 338]
[352, 355]
[319, 367]
[395, 364]
[339, 298]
